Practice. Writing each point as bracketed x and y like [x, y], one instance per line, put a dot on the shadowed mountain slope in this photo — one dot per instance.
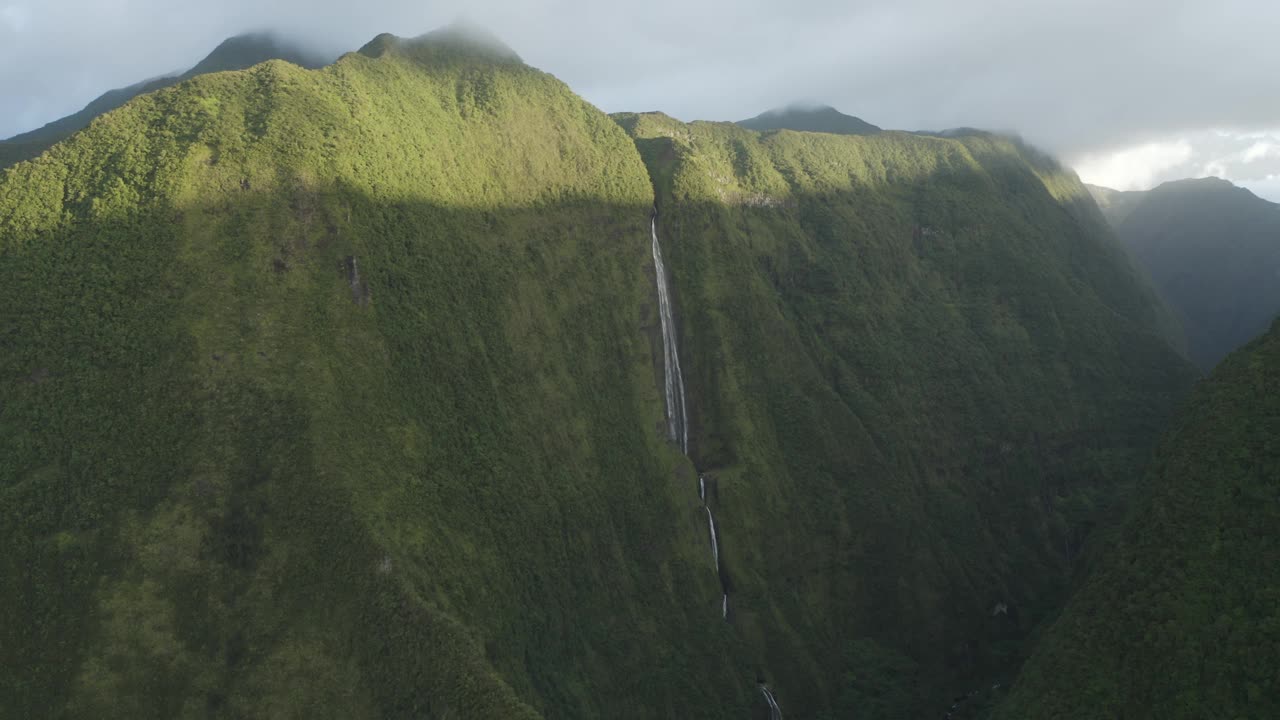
[1181, 616]
[920, 370]
[1213, 251]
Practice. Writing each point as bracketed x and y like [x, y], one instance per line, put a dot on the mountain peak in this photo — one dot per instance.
[249, 49]
[459, 40]
[1202, 184]
[810, 117]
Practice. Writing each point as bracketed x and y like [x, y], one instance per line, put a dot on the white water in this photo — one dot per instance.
[715, 547]
[677, 418]
[673, 379]
[775, 712]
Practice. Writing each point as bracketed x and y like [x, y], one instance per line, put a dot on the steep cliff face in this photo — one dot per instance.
[918, 370]
[1181, 618]
[341, 392]
[336, 392]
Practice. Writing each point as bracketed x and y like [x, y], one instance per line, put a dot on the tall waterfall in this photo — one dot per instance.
[678, 421]
[673, 380]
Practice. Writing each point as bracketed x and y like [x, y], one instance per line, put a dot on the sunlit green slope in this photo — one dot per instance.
[236, 53]
[333, 394]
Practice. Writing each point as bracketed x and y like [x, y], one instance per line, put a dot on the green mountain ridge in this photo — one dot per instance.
[236, 53]
[1212, 250]
[338, 393]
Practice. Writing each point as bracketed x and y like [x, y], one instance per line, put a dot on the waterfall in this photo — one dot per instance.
[678, 421]
[775, 712]
[715, 547]
[673, 380]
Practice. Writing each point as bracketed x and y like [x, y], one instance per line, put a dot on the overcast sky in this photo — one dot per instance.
[1130, 92]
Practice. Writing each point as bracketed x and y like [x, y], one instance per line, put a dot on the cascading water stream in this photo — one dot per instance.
[715, 546]
[775, 712]
[673, 379]
[678, 422]
[715, 552]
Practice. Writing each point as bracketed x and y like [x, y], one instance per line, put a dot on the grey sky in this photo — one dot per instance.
[1087, 79]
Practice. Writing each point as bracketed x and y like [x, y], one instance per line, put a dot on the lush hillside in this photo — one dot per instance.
[339, 393]
[237, 53]
[1213, 251]
[823, 118]
[919, 370]
[1181, 618]
[332, 394]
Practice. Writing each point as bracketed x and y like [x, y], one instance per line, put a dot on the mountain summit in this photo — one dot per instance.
[460, 40]
[810, 118]
[1213, 251]
[235, 53]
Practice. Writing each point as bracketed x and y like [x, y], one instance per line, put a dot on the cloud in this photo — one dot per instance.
[1249, 158]
[1260, 151]
[1133, 168]
[1079, 77]
[14, 18]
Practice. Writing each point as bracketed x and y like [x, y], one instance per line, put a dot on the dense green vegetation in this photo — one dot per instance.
[237, 53]
[332, 394]
[1213, 251]
[336, 393]
[920, 371]
[1181, 617]
[822, 118]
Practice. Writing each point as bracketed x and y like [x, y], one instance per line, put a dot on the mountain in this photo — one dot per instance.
[821, 118]
[920, 370]
[1180, 618]
[378, 390]
[1115, 204]
[1213, 251]
[235, 53]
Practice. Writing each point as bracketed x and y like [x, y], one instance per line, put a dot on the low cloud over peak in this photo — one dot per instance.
[1084, 79]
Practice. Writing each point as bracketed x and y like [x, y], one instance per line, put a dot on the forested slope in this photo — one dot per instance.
[920, 370]
[332, 393]
[338, 393]
[236, 53]
[1181, 618]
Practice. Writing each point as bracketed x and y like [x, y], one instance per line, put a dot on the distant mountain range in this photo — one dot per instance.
[808, 118]
[1213, 252]
[236, 53]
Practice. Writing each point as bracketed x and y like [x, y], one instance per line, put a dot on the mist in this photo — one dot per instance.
[1085, 79]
